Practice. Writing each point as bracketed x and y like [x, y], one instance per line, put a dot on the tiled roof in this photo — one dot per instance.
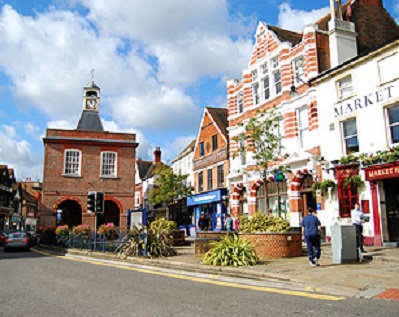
[286, 35]
[155, 169]
[90, 121]
[143, 167]
[219, 115]
[189, 148]
[374, 25]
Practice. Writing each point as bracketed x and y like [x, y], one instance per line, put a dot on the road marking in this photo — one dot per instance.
[202, 280]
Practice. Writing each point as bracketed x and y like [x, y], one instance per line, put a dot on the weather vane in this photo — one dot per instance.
[92, 73]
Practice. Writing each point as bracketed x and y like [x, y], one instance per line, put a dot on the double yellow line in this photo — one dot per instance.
[202, 280]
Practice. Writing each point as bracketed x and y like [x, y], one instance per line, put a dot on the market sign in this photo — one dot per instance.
[349, 106]
[374, 174]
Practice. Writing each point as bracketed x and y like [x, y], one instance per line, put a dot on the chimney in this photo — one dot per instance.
[157, 155]
[342, 36]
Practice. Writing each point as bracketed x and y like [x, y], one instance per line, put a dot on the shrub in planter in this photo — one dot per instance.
[62, 230]
[163, 224]
[81, 230]
[110, 231]
[62, 235]
[261, 222]
[148, 242]
[231, 251]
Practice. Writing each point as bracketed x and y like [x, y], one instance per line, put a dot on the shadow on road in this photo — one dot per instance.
[20, 254]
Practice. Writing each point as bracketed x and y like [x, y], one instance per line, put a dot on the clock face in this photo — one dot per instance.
[91, 104]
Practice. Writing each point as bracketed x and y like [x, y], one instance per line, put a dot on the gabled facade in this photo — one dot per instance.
[84, 160]
[279, 75]
[7, 195]
[211, 165]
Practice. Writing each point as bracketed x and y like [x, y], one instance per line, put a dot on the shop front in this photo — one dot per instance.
[384, 186]
[213, 205]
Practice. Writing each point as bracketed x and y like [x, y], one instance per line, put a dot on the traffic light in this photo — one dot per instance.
[100, 202]
[91, 202]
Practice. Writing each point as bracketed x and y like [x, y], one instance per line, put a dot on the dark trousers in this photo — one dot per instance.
[359, 236]
[313, 245]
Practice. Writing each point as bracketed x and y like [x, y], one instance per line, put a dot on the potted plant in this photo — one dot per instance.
[349, 159]
[354, 180]
[109, 230]
[325, 185]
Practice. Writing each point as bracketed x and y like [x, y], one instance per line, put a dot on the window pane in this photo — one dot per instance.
[350, 128]
[395, 134]
[303, 121]
[108, 166]
[393, 114]
[352, 145]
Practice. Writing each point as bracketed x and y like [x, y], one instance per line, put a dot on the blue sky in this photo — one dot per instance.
[158, 63]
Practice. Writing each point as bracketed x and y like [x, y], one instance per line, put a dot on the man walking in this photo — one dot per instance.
[357, 216]
[311, 232]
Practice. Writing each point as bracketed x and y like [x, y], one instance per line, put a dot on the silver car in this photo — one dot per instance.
[16, 240]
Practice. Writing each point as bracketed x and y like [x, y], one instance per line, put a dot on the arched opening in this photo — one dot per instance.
[111, 214]
[71, 214]
[307, 197]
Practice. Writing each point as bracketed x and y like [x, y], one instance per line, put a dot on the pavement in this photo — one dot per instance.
[376, 276]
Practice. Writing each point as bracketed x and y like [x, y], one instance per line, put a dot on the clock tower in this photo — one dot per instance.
[90, 119]
[91, 97]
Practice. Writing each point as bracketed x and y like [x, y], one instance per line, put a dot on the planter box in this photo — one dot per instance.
[178, 236]
[267, 245]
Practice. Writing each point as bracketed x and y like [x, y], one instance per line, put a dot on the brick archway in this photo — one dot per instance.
[235, 199]
[295, 194]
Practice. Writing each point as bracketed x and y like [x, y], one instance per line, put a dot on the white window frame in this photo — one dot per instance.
[254, 75]
[275, 62]
[264, 68]
[243, 154]
[389, 124]
[344, 138]
[69, 170]
[111, 170]
[299, 70]
[240, 102]
[255, 93]
[266, 89]
[277, 84]
[345, 89]
[302, 128]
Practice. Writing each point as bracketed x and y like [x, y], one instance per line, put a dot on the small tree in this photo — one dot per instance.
[265, 142]
[169, 187]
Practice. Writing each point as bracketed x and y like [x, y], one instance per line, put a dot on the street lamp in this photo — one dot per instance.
[293, 92]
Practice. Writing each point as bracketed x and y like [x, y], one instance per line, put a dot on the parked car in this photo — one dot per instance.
[33, 238]
[3, 234]
[17, 240]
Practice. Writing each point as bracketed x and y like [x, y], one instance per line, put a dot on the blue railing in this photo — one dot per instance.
[92, 242]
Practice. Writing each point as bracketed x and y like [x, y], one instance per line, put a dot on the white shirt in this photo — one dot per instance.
[357, 215]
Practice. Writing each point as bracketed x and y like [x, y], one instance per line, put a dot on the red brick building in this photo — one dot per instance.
[211, 165]
[88, 159]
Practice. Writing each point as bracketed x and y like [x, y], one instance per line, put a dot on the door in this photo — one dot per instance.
[308, 200]
[392, 208]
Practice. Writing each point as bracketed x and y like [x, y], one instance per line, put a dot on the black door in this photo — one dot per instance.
[392, 208]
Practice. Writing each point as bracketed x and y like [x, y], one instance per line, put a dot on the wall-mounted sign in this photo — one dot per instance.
[381, 173]
[352, 105]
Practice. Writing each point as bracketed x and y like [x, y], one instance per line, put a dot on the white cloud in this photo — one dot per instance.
[295, 20]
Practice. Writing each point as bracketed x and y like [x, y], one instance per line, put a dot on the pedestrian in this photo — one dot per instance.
[228, 223]
[357, 216]
[201, 222]
[235, 224]
[311, 233]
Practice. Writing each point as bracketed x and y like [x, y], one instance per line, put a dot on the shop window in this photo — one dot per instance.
[202, 149]
[276, 192]
[393, 122]
[348, 197]
[200, 181]
[344, 87]
[240, 103]
[210, 179]
[351, 142]
[214, 142]
[220, 176]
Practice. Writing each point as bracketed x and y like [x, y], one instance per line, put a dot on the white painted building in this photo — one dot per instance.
[183, 163]
[359, 113]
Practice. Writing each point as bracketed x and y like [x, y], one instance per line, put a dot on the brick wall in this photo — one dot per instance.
[267, 245]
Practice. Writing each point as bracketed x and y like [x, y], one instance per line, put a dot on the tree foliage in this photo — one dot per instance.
[262, 133]
[169, 187]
